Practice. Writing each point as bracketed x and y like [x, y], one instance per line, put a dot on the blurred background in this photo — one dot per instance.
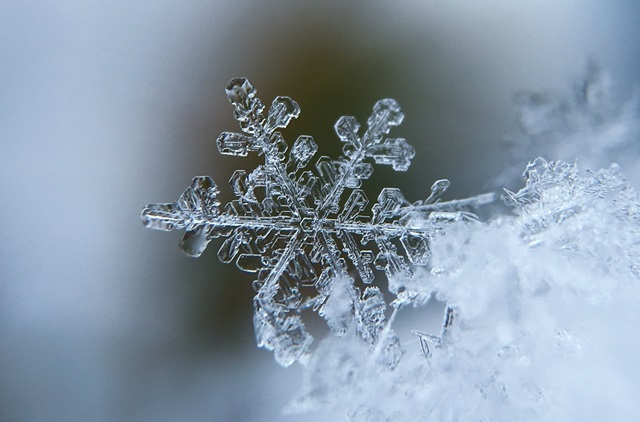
[108, 106]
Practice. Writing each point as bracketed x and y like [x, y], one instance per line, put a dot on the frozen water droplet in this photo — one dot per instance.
[194, 242]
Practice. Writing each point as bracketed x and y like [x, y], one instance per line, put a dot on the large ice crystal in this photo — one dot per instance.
[293, 227]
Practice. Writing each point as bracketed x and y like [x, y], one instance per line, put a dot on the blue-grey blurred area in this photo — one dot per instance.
[108, 106]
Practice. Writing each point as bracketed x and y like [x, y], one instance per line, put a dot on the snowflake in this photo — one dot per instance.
[294, 228]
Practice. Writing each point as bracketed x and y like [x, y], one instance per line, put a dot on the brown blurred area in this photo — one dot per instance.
[107, 107]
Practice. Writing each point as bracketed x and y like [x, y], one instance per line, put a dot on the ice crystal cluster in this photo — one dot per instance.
[544, 306]
[540, 301]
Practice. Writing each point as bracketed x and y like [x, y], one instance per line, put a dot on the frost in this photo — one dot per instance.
[293, 227]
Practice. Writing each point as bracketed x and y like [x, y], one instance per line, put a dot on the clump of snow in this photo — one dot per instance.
[545, 323]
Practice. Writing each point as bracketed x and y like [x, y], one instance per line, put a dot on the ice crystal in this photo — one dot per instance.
[555, 192]
[294, 227]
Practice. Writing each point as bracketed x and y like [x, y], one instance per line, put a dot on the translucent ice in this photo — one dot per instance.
[294, 228]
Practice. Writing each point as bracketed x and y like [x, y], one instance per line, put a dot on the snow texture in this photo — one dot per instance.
[541, 319]
[540, 303]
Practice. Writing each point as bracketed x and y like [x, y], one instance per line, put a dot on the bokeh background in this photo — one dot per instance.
[108, 106]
